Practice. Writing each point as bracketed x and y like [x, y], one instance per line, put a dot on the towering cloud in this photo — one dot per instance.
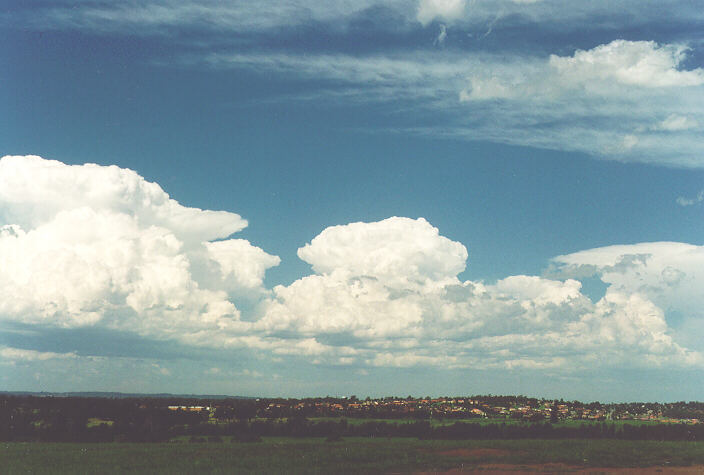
[669, 274]
[387, 294]
[93, 245]
[395, 249]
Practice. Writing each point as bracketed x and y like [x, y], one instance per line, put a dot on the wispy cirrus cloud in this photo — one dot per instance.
[625, 100]
[620, 99]
[164, 16]
[159, 16]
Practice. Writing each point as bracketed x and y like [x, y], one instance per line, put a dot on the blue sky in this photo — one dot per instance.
[432, 190]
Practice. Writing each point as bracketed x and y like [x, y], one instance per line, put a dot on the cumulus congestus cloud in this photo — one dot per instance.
[92, 245]
[669, 274]
[387, 294]
[88, 246]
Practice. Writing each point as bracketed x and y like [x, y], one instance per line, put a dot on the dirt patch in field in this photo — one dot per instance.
[511, 469]
[497, 468]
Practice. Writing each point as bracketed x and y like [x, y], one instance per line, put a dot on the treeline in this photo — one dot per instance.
[90, 419]
[145, 420]
[155, 430]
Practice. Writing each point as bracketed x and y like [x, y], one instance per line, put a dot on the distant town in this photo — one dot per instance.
[518, 408]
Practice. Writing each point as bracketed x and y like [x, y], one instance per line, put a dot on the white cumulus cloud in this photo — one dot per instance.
[604, 70]
[675, 122]
[602, 101]
[404, 306]
[393, 249]
[637, 63]
[92, 245]
[670, 274]
[86, 245]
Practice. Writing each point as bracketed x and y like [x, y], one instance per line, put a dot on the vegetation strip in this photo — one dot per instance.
[56, 419]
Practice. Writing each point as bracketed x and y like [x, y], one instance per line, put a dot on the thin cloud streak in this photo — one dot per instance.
[631, 101]
[626, 101]
[159, 16]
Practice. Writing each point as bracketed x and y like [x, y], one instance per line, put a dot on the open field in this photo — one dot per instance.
[354, 455]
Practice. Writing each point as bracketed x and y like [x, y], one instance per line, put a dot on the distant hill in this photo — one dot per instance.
[117, 395]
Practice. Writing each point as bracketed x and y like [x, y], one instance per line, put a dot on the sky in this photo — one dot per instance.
[304, 198]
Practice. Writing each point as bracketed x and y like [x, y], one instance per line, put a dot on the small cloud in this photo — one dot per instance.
[682, 201]
[17, 354]
[630, 141]
[442, 34]
[161, 370]
[675, 122]
[621, 145]
[252, 373]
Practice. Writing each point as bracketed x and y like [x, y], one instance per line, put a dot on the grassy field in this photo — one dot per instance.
[348, 456]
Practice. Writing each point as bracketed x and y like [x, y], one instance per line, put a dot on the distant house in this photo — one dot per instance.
[190, 408]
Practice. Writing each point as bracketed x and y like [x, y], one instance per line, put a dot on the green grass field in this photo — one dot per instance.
[348, 456]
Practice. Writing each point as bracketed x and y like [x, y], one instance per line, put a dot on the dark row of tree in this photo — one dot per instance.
[27, 418]
[150, 431]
